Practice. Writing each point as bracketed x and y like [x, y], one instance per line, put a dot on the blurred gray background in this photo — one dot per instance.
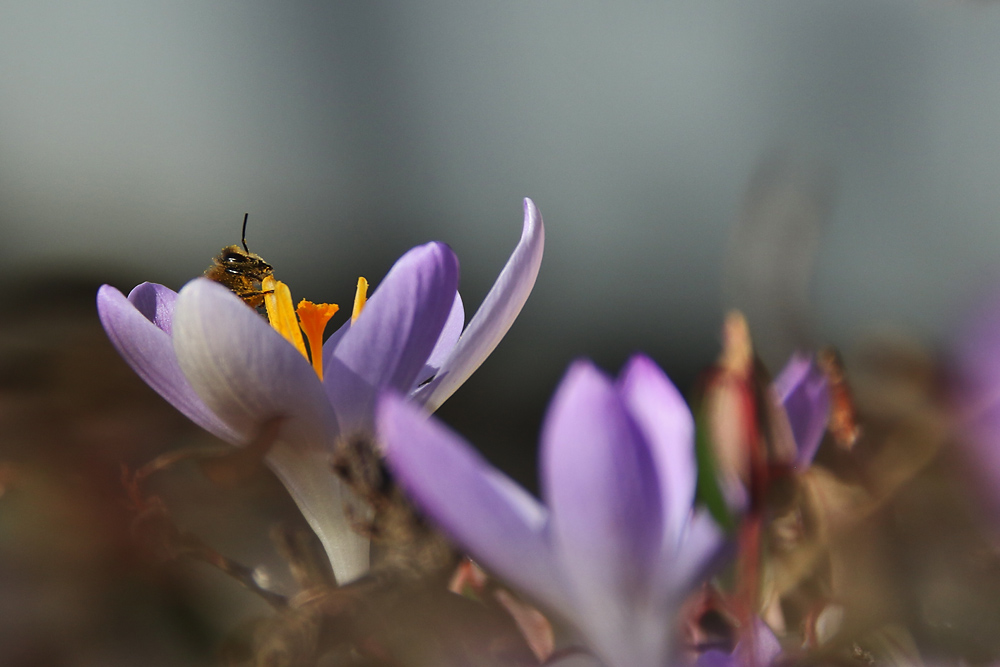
[833, 162]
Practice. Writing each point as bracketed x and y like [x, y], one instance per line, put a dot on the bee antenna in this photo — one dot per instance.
[245, 216]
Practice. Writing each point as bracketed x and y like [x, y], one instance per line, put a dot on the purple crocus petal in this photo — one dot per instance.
[760, 650]
[391, 340]
[483, 510]
[795, 371]
[495, 316]
[331, 343]
[140, 338]
[803, 391]
[156, 303]
[716, 658]
[599, 482]
[247, 374]
[446, 342]
[700, 550]
[765, 648]
[667, 425]
[243, 369]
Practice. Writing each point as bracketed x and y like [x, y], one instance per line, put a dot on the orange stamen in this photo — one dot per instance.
[313, 318]
[360, 298]
[281, 314]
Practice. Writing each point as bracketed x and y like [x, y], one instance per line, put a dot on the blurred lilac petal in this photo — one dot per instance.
[478, 506]
[766, 647]
[795, 371]
[977, 361]
[601, 560]
[978, 352]
[495, 316]
[803, 391]
[759, 650]
[699, 551]
[598, 479]
[148, 349]
[667, 424]
[716, 658]
[389, 343]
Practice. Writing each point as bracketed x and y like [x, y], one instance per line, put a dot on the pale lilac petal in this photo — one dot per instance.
[599, 482]
[804, 393]
[495, 316]
[148, 349]
[248, 374]
[446, 342]
[243, 369]
[156, 303]
[393, 337]
[667, 425]
[333, 341]
[480, 508]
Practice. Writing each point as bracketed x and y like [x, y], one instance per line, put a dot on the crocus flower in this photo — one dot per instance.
[229, 371]
[616, 544]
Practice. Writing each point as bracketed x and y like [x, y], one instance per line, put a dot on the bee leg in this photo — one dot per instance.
[254, 298]
[254, 294]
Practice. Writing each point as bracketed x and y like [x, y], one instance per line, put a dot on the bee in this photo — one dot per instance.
[241, 271]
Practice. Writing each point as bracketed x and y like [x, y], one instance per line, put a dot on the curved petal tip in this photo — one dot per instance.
[496, 314]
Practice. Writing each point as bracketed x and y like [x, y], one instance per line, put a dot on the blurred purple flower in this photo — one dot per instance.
[802, 390]
[798, 405]
[758, 649]
[977, 362]
[616, 545]
[230, 372]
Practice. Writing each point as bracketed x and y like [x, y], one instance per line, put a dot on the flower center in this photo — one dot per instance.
[312, 320]
[308, 318]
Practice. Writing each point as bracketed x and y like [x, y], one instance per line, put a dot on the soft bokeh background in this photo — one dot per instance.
[661, 141]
